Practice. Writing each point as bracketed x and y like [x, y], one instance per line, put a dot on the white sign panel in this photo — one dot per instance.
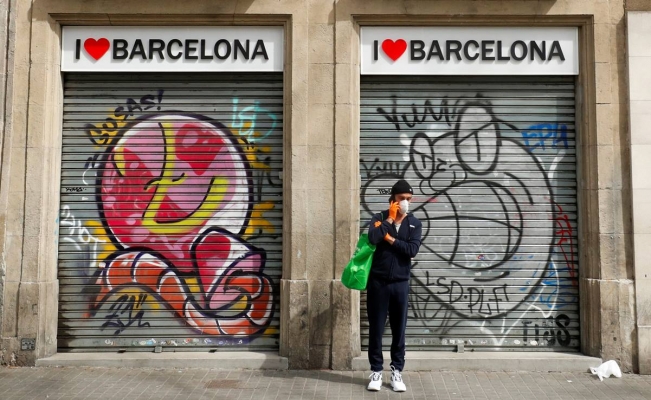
[172, 49]
[448, 50]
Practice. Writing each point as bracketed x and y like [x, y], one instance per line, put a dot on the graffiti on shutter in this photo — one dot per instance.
[172, 218]
[495, 188]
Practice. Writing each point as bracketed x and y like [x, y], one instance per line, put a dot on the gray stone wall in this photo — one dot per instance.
[6, 57]
[640, 96]
[320, 318]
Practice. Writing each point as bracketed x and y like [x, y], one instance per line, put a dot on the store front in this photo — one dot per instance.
[170, 227]
[482, 122]
[193, 177]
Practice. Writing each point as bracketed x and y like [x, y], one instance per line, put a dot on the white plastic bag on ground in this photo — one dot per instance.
[606, 369]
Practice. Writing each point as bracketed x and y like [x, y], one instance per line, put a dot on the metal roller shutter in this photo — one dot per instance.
[170, 231]
[493, 164]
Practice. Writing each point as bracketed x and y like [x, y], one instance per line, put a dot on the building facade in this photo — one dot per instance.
[192, 178]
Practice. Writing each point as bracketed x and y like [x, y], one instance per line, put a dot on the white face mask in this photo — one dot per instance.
[404, 207]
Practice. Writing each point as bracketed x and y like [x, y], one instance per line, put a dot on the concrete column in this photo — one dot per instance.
[321, 182]
[345, 302]
[32, 190]
[15, 36]
[294, 302]
[5, 13]
[639, 64]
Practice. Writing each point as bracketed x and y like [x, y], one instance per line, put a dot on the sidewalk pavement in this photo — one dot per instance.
[72, 383]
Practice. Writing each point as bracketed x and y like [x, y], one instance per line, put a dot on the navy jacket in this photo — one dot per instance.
[393, 262]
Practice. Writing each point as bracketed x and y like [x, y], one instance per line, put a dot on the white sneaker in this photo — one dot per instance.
[376, 381]
[396, 381]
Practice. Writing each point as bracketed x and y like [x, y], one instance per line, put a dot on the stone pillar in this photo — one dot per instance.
[639, 63]
[12, 188]
[29, 195]
[321, 183]
[5, 16]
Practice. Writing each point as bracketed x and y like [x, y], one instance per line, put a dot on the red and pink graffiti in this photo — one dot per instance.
[175, 196]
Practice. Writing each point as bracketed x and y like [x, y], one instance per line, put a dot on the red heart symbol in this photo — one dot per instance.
[394, 49]
[96, 48]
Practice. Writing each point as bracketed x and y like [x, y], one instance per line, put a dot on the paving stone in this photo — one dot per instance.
[162, 384]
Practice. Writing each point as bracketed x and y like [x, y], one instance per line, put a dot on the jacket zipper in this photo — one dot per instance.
[393, 259]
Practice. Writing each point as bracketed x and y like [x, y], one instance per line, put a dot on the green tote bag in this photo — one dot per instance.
[355, 274]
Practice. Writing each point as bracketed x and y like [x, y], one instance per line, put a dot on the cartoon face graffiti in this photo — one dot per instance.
[168, 179]
[175, 196]
[483, 200]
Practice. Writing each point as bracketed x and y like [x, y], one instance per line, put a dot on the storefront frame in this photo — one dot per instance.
[587, 171]
[319, 329]
[45, 139]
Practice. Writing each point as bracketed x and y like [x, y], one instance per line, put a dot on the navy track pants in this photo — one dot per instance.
[382, 297]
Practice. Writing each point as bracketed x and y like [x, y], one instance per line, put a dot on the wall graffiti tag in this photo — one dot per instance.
[498, 260]
[124, 308]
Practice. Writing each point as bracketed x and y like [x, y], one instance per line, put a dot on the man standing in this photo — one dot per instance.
[397, 235]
